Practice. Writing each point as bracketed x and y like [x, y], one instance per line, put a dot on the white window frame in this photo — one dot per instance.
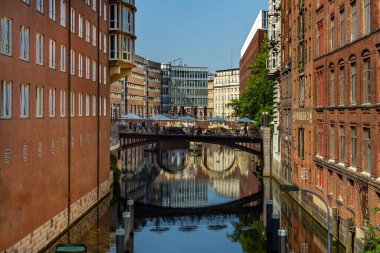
[52, 103]
[100, 40]
[52, 53]
[80, 25]
[6, 99]
[80, 65]
[87, 105]
[104, 106]
[88, 63]
[104, 75]
[94, 105]
[72, 104]
[39, 102]
[72, 62]
[72, 20]
[105, 11]
[24, 43]
[6, 36]
[63, 103]
[94, 70]
[100, 106]
[94, 5]
[63, 58]
[24, 100]
[80, 104]
[88, 31]
[113, 47]
[114, 19]
[100, 73]
[52, 9]
[105, 43]
[94, 35]
[63, 13]
[40, 6]
[39, 49]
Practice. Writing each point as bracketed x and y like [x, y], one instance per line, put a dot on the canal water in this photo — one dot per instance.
[194, 197]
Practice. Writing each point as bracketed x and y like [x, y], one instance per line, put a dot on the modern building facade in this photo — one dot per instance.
[54, 120]
[226, 88]
[210, 102]
[143, 89]
[121, 50]
[274, 66]
[330, 118]
[251, 46]
[184, 90]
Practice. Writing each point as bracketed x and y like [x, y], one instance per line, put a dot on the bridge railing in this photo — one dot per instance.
[157, 130]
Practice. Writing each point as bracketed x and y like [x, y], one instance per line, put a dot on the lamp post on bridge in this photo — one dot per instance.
[291, 188]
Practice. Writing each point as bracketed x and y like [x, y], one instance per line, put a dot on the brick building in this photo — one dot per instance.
[143, 89]
[54, 120]
[330, 109]
[251, 47]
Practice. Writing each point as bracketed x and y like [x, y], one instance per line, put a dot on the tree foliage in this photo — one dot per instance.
[257, 97]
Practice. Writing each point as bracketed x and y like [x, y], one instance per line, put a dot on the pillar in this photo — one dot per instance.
[266, 150]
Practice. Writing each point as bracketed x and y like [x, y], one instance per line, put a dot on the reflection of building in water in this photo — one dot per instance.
[218, 158]
[132, 158]
[184, 193]
[227, 187]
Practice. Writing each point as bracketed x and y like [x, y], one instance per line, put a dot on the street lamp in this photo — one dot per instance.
[292, 188]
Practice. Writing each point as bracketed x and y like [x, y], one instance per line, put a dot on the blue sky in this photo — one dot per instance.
[202, 32]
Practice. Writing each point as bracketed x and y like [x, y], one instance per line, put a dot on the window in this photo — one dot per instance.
[94, 5]
[6, 36]
[80, 26]
[320, 88]
[87, 105]
[63, 13]
[52, 103]
[332, 143]
[104, 75]
[80, 65]
[332, 33]
[80, 104]
[100, 106]
[24, 43]
[104, 106]
[39, 49]
[105, 44]
[87, 31]
[52, 9]
[88, 2]
[100, 8]
[342, 144]
[319, 177]
[94, 35]
[332, 87]
[93, 105]
[114, 16]
[105, 11]
[40, 5]
[87, 68]
[320, 142]
[63, 103]
[100, 40]
[367, 80]
[52, 54]
[93, 70]
[72, 62]
[26, 1]
[63, 58]
[125, 16]
[301, 136]
[72, 104]
[126, 48]
[342, 29]
[353, 21]
[367, 150]
[320, 40]
[353, 147]
[40, 102]
[341, 81]
[301, 91]
[24, 101]
[6, 99]
[72, 20]
[367, 17]
[353, 83]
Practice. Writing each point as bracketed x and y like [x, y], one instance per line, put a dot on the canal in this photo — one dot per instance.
[194, 197]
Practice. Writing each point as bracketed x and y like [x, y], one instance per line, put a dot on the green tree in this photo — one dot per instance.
[257, 97]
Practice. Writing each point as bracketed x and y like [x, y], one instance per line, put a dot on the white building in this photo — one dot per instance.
[226, 88]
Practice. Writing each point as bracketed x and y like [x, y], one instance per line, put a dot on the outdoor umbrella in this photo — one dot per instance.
[186, 118]
[159, 117]
[245, 120]
[130, 116]
[217, 119]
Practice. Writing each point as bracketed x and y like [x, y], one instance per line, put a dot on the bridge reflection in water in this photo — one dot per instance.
[194, 197]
